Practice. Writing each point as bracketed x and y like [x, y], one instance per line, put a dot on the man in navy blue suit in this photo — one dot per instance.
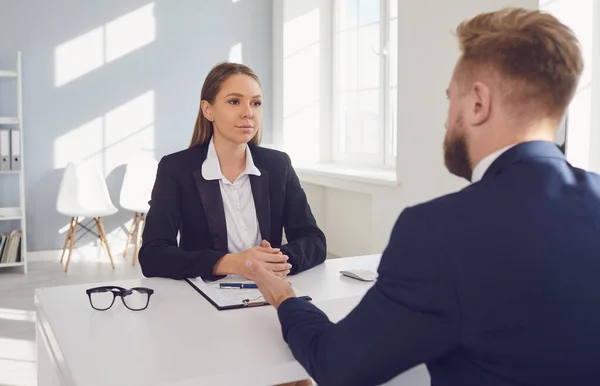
[499, 283]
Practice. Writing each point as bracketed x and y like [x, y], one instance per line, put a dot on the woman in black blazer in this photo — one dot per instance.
[228, 198]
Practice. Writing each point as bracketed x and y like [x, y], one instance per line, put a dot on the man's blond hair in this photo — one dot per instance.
[534, 58]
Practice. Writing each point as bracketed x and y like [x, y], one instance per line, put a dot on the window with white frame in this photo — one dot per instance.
[335, 82]
[365, 41]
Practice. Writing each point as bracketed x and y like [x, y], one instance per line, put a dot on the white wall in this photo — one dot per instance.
[360, 222]
[107, 80]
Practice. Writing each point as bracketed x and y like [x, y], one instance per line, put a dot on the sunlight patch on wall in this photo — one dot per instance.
[90, 51]
[130, 32]
[129, 131]
[79, 143]
[113, 139]
[235, 53]
[78, 57]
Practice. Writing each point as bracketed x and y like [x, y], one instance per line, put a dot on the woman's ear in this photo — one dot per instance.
[206, 110]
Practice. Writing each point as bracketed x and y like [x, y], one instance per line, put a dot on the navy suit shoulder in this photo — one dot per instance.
[522, 248]
[492, 285]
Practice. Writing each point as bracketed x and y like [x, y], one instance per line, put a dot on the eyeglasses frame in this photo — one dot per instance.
[120, 292]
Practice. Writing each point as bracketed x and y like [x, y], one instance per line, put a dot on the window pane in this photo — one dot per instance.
[368, 57]
[368, 11]
[393, 8]
[348, 60]
[350, 136]
[348, 13]
[393, 50]
[369, 119]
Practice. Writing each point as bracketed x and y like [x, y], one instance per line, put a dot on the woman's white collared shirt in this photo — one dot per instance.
[243, 231]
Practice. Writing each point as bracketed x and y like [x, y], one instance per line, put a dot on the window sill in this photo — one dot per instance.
[361, 179]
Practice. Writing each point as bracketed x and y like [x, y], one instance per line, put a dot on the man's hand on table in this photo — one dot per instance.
[275, 290]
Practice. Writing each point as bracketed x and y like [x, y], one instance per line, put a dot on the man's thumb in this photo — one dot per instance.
[266, 244]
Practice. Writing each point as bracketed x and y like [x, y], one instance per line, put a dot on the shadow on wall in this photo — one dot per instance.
[113, 79]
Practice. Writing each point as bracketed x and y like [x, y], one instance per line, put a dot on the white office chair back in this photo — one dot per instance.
[83, 192]
[138, 183]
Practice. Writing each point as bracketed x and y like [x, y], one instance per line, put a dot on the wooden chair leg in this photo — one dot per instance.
[133, 224]
[138, 238]
[73, 236]
[67, 238]
[104, 240]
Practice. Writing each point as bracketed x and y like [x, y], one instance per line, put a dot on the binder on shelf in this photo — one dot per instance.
[15, 149]
[2, 246]
[4, 150]
[11, 247]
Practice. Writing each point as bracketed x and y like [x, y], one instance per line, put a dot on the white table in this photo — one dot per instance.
[181, 339]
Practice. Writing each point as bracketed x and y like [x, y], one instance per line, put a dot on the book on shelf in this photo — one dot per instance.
[10, 247]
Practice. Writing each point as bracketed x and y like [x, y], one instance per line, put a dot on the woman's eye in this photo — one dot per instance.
[256, 103]
[233, 102]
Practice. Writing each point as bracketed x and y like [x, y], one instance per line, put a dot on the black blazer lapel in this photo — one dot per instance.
[212, 202]
[262, 202]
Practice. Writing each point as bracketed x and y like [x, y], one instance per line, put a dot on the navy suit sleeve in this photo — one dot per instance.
[306, 245]
[160, 255]
[410, 316]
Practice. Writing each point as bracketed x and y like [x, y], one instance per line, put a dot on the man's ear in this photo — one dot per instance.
[206, 110]
[481, 104]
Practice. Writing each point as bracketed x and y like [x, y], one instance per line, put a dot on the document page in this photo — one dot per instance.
[230, 296]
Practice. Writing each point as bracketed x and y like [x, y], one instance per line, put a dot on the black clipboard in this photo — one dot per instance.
[245, 304]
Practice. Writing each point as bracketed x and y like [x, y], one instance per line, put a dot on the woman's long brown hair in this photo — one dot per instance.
[203, 130]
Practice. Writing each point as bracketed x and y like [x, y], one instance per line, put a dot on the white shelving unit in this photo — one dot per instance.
[16, 213]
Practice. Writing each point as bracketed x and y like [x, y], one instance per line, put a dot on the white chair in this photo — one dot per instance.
[83, 194]
[138, 182]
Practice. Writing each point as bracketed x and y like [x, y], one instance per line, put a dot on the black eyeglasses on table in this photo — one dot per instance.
[136, 299]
